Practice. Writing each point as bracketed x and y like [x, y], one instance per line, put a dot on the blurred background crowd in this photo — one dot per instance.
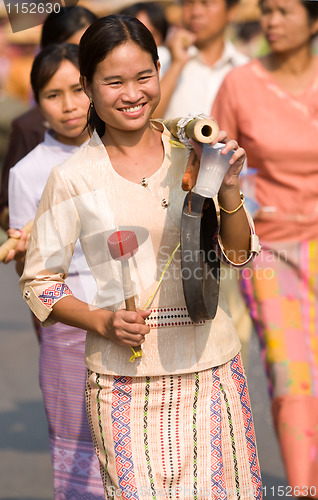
[17, 51]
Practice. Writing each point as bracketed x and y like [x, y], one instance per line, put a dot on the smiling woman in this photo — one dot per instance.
[279, 130]
[121, 196]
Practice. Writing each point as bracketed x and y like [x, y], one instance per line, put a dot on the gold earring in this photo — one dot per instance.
[91, 102]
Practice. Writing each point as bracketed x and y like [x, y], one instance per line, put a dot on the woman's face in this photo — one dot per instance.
[125, 88]
[286, 25]
[64, 104]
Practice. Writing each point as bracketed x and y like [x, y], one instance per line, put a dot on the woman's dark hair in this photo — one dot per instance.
[104, 35]
[231, 3]
[155, 13]
[48, 61]
[60, 26]
[312, 9]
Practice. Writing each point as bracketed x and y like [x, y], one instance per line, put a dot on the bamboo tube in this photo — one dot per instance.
[11, 243]
[204, 130]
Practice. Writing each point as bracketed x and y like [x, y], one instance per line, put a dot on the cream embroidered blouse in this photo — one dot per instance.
[86, 199]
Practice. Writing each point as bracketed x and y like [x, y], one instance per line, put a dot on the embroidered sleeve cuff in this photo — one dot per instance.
[41, 305]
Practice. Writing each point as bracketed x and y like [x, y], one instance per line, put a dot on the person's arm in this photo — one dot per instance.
[235, 229]
[122, 327]
[226, 111]
[234, 226]
[56, 228]
[19, 252]
[179, 44]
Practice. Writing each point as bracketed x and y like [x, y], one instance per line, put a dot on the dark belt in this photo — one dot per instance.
[199, 262]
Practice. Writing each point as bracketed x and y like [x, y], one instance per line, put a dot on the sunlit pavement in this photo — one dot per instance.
[25, 465]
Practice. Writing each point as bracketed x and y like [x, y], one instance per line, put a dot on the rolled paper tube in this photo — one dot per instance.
[11, 243]
[204, 130]
[123, 245]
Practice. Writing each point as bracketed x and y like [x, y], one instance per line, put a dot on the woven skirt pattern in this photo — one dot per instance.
[188, 436]
[62, 378]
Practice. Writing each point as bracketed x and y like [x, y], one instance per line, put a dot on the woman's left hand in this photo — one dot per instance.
[231, 178]
[236, 162]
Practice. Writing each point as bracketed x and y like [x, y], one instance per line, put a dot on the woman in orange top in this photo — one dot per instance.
[270, 107]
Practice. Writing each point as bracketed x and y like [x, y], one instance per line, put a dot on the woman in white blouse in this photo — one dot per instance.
[176, 421]
[60, 97]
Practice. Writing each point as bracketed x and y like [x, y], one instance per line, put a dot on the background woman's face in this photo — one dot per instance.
[286, 25]
[64, 103]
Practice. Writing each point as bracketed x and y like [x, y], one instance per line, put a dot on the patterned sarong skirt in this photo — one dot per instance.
[62, 379]
[281, 290]
[188, 436]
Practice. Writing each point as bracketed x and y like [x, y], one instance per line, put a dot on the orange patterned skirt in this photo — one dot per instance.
[281, 289]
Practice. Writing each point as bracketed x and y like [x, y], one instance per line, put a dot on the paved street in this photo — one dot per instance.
[25, 469]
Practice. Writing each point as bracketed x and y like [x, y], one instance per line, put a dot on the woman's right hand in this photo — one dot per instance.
[19, 252]
[127, 327]
[178, 42]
